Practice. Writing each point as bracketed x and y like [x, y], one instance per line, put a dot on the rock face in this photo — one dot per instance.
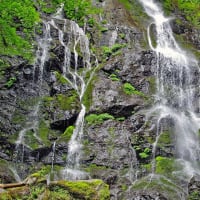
[118, 149]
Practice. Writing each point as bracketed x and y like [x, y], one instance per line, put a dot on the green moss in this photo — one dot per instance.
[195, 195]
[61, 79]
[187, 45]
[164, 138]
[98, 119]
[189, 9]
[66, 136]
[43, 132]
[165, 166]
[152, 85]
[103, 29]
[86, 190]
[114, 77]
[158, 184]
[114, 50]
[135, 10]
[42, 172]
[30, 139]
[120, 119]
[145, 153]
[10, 82]
[58, 193]
[122, 35]
[69, 101]
[147, 167]
[130, 90]
[15, 16]
[93, 167]
[87, 98]
[5, 196]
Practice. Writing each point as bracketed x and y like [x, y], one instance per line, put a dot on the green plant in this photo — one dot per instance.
[108, 51]
[17, 16]
[10, 82]
[120, 119]
[130, 89]
[188, 8]
[68, 133]
[98, 119]
[114, 77]
[145, 153]
[165, 166]
[60, 78]
[195, 195]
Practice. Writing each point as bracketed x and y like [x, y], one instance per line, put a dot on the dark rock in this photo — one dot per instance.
[39, 153]
[66, 120]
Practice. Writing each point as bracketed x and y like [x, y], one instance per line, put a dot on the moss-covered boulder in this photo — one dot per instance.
[61, 190]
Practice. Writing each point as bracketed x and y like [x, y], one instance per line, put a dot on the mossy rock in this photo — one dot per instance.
[6, 175]
[85, 190]
[158, 185]
[5, 196]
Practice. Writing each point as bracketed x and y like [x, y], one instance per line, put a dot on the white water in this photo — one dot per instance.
[32, 122]
[77, 79]
[176, 91]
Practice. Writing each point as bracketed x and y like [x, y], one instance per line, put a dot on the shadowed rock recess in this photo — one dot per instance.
[107, 107]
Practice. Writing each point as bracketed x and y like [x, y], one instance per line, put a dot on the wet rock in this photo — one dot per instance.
[39, 153]
[60, 123]
[194, 188]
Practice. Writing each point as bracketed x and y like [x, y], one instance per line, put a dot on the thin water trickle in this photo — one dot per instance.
[32, 123]
[176, 91]
[77, 77]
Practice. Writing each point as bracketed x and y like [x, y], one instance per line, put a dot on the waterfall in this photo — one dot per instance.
[177, 89]
[32, 122]
[78, 80]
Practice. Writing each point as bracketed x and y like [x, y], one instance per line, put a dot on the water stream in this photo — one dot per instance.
[79, 80]
[177, 89]
[32, 122]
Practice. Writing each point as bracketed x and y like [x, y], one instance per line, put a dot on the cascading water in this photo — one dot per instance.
[78, 80]
[177, 89]
[32, 123]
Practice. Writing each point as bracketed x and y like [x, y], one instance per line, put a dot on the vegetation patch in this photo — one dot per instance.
[189, 9]
[66, 136]
[145, 153]
[130, 90]
[17, 16]
[98, 119]
[165, 166]
[86, 190]
[135, 9]
[114, 50]
[158, 184]
[67, 102]
[114, 77]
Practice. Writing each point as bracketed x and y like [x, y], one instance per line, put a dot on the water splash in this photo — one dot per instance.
[176, 89]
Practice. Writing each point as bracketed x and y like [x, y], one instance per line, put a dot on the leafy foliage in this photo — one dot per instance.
[76, 10]
[145, 153]
[68, 133]
[98, 119]
[129, 90]
[188, 8]
[17, 16]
